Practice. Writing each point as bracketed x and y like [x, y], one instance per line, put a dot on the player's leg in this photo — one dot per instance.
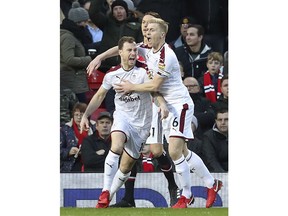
[176, 146]
[112, 159]
[128, 199]
[166, 167]
[123, 173]
[111, 166]
[197, 166]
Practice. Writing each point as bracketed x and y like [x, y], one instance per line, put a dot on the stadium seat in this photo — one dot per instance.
[95, 79]
[96, 113]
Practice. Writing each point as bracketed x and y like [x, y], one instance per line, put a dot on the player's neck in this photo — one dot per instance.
[158, 47]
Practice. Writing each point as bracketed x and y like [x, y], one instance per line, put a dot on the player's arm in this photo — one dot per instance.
[96, 62]
[93, 105]
[152, 86]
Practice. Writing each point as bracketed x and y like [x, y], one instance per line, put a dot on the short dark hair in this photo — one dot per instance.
[198, 27]
[221, 110]
[123, 40]
[79, 106]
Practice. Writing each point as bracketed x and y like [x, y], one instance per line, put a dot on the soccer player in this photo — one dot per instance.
[132, 119]
[163, 64]
[155, 64]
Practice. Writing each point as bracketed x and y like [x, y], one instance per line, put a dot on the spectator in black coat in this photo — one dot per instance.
[117, 23]
[96, 146]
[215, 144]
[193, 54]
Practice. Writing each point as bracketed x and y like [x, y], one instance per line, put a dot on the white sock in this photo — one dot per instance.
[119, 179]
[110, 168]
[183, 173]
[198, 167]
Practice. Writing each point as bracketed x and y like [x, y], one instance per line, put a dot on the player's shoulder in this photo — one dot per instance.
[114, 68]
[141, 64]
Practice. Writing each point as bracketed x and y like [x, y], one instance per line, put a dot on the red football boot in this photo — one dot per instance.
[212, 192]
[103, 201]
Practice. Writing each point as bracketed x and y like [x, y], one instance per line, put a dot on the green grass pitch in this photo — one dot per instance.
[143, 212]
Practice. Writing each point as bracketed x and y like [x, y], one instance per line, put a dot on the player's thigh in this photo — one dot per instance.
[118, 139]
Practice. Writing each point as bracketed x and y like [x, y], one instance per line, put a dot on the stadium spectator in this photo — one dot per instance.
[185, 21]
[71, 140]
[193, 54]
[117, 23]
[215, 144]
[95, 147]
[95, 32]
[203, 110]
[132, 119]
[213, 16]
[210, 81]
[73, 58]
[172, 11]
[222, 101]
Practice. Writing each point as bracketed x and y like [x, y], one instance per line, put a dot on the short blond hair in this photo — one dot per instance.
[163, 24]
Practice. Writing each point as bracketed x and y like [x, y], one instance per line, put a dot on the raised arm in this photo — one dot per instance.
[96, 62]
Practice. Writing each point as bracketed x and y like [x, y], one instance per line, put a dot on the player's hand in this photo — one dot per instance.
[84, 124]
[124, 87]
[164, 111]
[93, 65]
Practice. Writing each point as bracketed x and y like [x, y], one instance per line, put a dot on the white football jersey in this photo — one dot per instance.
[164, 63]
[135, 107]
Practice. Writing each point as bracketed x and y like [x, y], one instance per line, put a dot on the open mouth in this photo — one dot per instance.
[132, 58]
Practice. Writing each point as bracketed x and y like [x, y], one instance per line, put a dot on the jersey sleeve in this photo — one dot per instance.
[107, 84]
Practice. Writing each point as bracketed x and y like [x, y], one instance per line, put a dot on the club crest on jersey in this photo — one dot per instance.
[161, 66]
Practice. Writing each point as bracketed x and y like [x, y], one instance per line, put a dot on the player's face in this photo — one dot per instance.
[192, 38]
[128, 55]
[154, 35]
[144, 24]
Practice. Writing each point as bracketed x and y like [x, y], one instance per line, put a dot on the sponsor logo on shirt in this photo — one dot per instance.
[129, 98]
